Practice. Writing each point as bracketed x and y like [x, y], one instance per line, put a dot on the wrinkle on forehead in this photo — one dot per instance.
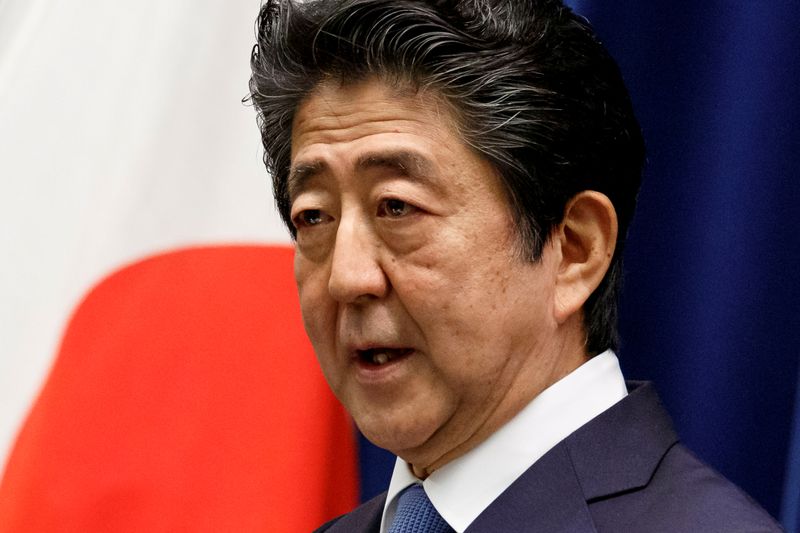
[323, 107]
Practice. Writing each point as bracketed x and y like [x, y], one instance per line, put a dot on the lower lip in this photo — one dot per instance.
[370, 373]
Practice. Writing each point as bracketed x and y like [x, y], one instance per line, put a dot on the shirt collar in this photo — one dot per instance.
[465, 487]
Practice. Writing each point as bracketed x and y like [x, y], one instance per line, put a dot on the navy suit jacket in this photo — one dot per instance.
[624, 471]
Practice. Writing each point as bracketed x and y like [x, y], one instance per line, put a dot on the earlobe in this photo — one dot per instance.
[587, 238]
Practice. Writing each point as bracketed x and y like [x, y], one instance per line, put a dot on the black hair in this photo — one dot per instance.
[532, 89]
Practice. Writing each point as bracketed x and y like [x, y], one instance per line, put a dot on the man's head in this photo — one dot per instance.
[530, 87]
[459, 177]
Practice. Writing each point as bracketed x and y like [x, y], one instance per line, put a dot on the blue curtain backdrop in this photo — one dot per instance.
[710, 305]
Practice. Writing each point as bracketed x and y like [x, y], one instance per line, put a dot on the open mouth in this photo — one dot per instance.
[381, 356]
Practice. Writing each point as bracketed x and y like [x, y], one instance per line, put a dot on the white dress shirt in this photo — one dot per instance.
[463, 488]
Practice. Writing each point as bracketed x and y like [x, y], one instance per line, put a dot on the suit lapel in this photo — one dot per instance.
[620, 449]
[547, 497]
[617, 451]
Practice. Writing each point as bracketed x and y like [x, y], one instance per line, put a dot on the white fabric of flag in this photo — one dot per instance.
[122, 135]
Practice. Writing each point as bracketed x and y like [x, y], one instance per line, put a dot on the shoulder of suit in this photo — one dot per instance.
[687, 495]
[637, 476]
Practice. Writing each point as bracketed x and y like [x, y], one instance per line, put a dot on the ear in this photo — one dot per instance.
[587, 237]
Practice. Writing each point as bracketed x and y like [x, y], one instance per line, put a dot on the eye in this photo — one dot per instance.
[308, 218]
[395, 208]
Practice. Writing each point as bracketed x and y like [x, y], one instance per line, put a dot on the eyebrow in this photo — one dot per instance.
[300, 174]
[406, 163]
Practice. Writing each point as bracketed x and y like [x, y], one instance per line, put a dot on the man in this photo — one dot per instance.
[459, 178]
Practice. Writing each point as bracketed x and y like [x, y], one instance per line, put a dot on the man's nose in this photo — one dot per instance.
[356, 272]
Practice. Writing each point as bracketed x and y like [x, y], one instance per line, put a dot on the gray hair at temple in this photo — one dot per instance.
[530, 86]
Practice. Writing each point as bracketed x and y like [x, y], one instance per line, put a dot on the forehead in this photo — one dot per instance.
[370, 124]
[339, 112]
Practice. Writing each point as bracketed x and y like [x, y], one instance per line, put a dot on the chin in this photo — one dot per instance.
[401, 437]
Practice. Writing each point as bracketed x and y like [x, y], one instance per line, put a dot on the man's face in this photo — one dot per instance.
[429, 326]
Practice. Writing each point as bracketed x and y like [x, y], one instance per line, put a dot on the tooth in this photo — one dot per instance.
[380, 358]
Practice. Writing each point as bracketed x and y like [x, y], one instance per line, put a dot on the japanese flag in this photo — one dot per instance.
[154, 375]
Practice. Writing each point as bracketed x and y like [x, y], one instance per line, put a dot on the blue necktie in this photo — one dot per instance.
[416, 514]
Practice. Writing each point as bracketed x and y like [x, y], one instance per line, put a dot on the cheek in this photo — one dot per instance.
[450, 306]
[451, 284]
[317, 308]
[463, 304]
[319, 320]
